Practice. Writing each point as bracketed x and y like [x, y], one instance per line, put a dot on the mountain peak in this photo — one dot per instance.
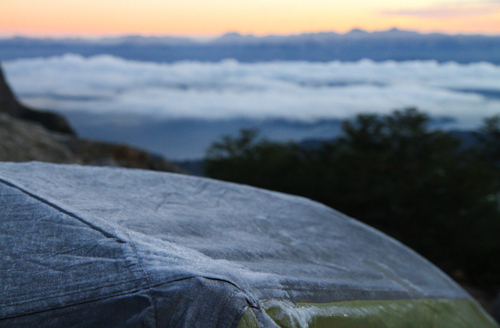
[357, 31]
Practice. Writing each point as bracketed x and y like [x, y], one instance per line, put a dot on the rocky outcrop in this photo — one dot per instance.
[30, 135]
[22, 141]
[11, 106]
[109, 154]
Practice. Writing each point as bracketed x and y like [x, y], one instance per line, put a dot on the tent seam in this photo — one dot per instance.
[128, 291]
[79, 292]
[148, 280]
[125, 292]
[239, 315]
[62, 210]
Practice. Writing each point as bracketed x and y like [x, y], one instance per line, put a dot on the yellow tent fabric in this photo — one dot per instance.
[431, 313]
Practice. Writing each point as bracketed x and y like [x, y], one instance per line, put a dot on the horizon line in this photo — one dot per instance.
[210, 37]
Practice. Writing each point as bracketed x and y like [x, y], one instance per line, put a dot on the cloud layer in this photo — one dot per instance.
[292, 90]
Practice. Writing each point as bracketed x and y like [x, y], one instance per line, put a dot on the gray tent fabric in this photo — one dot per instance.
[111, 247]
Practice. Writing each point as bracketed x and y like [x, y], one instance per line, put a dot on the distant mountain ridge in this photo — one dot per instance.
[394, 44]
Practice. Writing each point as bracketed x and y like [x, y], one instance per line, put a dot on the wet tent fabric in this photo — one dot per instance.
[110, 247]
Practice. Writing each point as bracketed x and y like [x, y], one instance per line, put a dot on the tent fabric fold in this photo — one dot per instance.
[111, 247]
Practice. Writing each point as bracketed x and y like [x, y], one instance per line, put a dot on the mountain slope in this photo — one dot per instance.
[30, 135]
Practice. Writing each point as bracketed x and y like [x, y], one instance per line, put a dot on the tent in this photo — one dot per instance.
[111, 247]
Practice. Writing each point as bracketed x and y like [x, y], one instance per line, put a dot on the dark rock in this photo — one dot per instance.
[22, 141]
[31, 135]
[100, 153]
[11, 106]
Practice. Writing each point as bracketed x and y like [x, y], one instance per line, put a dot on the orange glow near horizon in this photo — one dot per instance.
[211, 17]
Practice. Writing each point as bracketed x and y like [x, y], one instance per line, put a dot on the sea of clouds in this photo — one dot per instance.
[290, 90]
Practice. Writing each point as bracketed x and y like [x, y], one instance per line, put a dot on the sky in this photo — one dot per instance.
[212, 17]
